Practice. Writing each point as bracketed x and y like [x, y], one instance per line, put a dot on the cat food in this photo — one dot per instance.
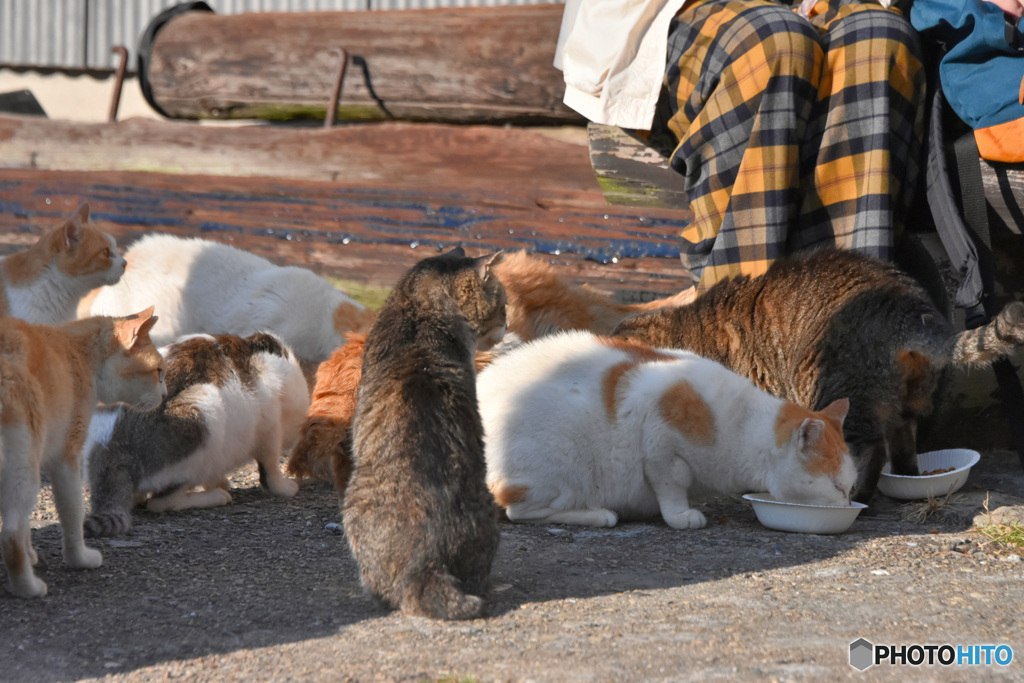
[941, 470]
[942, 473]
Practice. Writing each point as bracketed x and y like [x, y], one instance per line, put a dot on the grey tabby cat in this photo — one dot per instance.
[417, 513]
[829, 324]
[229, 400]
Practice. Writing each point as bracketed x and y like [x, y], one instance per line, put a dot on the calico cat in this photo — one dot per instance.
[229, 400]
[50, 381]
[540, 301]
[832, 323]
[208, 287]
[44, 283]
[586, 429]
[418, 517]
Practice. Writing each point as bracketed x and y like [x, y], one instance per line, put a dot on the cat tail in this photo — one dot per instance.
[112, 492]
[988, 343]
[435, 593]
[321, 440]
[107, 523]
[683, 298]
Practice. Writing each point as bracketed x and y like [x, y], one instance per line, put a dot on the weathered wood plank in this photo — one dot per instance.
[469, 65]
[634, 172]
[369, 234]
[1004, 190]
[422, 154]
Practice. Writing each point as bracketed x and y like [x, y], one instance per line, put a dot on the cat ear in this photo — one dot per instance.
[837, 410]
[83, 212]
[810, 432]
[457, 251]
[135, 328]
[485, 263]
[71, 231]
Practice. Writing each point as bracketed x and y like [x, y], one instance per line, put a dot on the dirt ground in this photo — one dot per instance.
[265, 589]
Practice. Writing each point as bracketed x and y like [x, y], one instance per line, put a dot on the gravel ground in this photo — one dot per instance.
[265, 589]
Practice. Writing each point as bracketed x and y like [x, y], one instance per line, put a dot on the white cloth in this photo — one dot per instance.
[612, 55]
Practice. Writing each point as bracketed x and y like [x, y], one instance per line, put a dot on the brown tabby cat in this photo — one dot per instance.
[324, 449]
[830, 324]
[44, 283]
[50, 381]
[540, 301]
[417, 513]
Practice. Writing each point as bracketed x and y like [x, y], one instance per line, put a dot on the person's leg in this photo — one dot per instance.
[862, 151]
[741, 81]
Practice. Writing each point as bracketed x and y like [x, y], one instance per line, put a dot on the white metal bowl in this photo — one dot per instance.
[906, 487]
[807, 519]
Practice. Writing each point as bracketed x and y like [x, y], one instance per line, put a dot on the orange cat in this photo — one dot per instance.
[540, 302]
[51, 379]
[322, 451]
[44, 283]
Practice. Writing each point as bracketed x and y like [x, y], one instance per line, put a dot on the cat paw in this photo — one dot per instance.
[284, 487]
[687, 519]
[84, 558]
[27, 586]
[219, 496]
[610, 518]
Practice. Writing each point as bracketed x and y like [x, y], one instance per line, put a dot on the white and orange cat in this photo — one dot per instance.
[44, 283]
[585, 429]
[51, 379]
[205, 287]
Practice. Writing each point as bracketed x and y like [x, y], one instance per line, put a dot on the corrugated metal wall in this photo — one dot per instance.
[79, 34]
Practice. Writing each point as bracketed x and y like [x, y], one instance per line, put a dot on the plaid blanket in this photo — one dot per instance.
[792, 131]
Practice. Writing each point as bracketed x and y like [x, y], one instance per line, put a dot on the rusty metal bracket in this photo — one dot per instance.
[122, 66]
[332, 106]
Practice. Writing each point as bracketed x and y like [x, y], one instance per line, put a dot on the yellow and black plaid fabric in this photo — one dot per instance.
[791, 131]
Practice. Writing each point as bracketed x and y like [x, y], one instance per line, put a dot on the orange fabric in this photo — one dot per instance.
[1003, 142]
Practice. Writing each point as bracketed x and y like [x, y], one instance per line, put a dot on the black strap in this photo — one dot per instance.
[953, 233]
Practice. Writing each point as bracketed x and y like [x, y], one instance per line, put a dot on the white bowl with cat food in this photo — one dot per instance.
[803, 518]
[942, 473]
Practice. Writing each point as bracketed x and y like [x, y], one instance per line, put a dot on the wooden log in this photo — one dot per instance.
[465, 65]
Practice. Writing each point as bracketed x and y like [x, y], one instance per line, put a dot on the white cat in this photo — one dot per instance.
[230, 400]
[201, 286]
[584, 429]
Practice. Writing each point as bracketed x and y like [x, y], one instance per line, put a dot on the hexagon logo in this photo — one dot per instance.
[862, 654]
